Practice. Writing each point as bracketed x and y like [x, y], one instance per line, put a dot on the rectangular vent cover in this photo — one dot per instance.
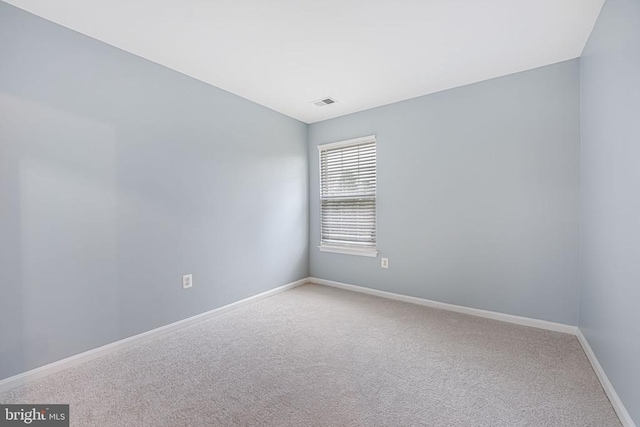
[324, 101]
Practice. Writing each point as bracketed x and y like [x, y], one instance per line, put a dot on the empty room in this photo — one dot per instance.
[333, 213]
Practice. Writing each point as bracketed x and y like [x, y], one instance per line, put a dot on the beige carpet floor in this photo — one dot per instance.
[318, 356]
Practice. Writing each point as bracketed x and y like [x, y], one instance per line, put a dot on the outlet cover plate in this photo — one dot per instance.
[187, 281]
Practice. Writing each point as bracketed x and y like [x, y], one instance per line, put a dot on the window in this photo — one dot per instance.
[348, 197]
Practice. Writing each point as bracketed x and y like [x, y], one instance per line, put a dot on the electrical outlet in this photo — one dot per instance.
[187, 281]
[384, 263]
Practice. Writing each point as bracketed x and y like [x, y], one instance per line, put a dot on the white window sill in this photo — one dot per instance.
[349, 251]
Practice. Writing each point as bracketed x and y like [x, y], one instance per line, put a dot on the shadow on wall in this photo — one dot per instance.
[61, 212]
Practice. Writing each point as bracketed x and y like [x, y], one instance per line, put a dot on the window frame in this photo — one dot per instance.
[346, 249]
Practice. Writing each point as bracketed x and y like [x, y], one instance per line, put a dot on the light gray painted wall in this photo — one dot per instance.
[610, 197]
[117, 176]
[477, 195]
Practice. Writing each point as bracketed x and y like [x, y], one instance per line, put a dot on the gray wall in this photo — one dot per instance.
[477, 195]
[117, 176]
[610, 197]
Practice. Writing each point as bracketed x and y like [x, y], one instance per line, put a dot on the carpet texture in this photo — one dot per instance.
[318, 356]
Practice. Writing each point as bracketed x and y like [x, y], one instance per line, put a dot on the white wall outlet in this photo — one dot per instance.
[384, 263]
[187, 281]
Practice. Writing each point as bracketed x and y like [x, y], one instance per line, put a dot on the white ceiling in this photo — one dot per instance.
[284, 54]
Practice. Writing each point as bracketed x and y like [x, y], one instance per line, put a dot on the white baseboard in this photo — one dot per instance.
[624, 416]
[518, 320]
[43, 371]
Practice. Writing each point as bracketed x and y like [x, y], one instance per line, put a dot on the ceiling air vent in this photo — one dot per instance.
[324, 101]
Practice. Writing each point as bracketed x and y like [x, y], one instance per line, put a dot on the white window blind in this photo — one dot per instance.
[348, 196]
